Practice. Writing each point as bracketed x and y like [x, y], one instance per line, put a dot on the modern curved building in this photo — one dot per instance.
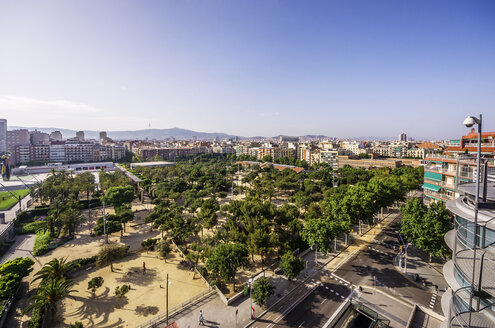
[458, 272]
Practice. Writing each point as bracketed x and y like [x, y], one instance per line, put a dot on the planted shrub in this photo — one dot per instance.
[42, 243]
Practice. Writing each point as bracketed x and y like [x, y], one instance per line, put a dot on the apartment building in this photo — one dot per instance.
[56, 136]
[331, 157]
[16, 138]
[39, 138]
[443, 173]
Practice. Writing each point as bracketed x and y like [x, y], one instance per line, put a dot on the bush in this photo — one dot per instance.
[77, 263]
[111, 253]
[42, 243]
[77, 324]
[245, 291]
[122, 290]
[149, 244]
[36, 316]
[94, 284]
[23, 217]
[33, 227]
[202, 271]
[213, 282]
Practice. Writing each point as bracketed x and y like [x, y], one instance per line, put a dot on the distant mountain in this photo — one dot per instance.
[177, 133]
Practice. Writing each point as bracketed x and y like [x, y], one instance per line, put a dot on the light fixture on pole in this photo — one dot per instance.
[251, 296]
[469, 122]
[168, 283]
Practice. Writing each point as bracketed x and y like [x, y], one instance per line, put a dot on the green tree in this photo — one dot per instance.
[94, 284]
[425, 227]
[267, 158]
[119, 196]
[125, 215]
[48, 296]
[290, 265]
[164, 248]
[320, 232]
[149, 244]
[109, 254]
[208, 213]
[55, 269]
[262, 290]
[226, 259]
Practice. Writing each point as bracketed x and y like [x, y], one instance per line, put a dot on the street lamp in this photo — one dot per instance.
[469, 122]
[104, 220]
[251, 296]
[405, 252]
[168, 283]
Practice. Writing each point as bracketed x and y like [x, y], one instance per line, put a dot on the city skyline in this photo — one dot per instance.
[259, 68]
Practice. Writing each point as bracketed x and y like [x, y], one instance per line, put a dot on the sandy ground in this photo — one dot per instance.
[146, 298]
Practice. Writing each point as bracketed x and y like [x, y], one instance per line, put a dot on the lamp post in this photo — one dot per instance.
[469, 122]
[251, 297]
[405, 252]
[104, 220]
[168, 283]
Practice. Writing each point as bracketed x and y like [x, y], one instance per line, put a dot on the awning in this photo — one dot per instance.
[431, 187]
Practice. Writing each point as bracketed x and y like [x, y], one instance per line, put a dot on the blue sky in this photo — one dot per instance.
[339, 68]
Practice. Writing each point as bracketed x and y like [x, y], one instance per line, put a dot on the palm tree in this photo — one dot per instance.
[49, 295]
[53, 270]
[35, 191]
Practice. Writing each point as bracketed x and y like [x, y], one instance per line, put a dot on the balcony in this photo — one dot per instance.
[450, 239]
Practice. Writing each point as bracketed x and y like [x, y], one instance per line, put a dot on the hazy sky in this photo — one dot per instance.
[340, 68]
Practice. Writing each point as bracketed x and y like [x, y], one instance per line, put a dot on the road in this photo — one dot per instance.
[312, 304]
[377, 261]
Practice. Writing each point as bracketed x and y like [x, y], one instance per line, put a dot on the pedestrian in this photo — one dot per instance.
[144, 267]
[201, 319]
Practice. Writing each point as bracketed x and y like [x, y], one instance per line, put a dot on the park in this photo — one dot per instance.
[208, 222]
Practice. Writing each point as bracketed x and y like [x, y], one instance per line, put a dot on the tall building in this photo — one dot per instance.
[3, 136]
[80, 135]
[17, 138]
[402, 137]
[462, 240]
[56, 136]
[102, 136]
[39, 138]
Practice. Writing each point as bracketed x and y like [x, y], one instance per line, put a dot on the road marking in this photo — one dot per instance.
[331, 290]
[301, 324]
[336, 293]
[326, 287]
[323, 301]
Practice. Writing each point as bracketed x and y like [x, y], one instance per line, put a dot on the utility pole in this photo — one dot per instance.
[167, 299]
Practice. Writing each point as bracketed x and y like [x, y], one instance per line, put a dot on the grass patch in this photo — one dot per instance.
[42, 243]
[7, 199]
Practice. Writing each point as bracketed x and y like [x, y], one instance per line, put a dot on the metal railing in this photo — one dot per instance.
[176, 309]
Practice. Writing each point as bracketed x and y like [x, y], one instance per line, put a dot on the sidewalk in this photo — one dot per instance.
[418, 265]
[217, 314]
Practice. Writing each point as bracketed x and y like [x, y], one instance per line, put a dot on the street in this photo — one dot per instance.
[313, 303]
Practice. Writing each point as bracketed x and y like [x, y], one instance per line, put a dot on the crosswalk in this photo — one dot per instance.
[433, 300]
[380, 251]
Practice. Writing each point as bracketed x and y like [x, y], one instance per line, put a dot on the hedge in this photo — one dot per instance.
[83, 261]
[42, 243]
[32, 227]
